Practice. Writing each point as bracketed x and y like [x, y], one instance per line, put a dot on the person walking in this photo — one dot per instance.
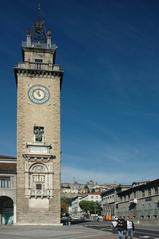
[130, 228]
[114, 225]
[121, 228]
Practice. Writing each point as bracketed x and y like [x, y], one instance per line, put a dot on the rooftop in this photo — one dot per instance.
[7, 157]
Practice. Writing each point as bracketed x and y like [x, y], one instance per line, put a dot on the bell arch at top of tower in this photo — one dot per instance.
[38, 37]
[39, 53]
[38, 46]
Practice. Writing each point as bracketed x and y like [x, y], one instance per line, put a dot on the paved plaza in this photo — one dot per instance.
[51, 232]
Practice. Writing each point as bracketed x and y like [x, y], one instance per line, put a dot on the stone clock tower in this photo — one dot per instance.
[38, 130]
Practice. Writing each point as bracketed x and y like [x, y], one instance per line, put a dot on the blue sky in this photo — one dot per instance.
[109, 51]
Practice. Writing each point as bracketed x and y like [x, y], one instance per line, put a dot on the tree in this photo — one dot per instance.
[65, 203]
[97, 208]
[90, 206]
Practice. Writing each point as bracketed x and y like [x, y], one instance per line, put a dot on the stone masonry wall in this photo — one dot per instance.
[48, 116]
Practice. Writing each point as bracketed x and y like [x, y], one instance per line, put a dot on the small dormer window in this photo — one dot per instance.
[38, 61]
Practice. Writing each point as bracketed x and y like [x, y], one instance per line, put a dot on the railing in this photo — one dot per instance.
[39, 193]
[39, 45]
[38, 66]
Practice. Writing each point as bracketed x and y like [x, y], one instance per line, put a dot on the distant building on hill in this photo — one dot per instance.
[77, 189]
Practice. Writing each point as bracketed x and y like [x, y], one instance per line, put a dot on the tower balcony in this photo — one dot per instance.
[38, 67]
[39, 45]
[40, 193]
[42, 149]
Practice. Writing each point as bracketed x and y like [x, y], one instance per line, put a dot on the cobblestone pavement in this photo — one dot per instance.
[52, 232]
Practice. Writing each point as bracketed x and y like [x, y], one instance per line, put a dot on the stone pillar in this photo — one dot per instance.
[28, 42]
[49, 39]
[14, 213]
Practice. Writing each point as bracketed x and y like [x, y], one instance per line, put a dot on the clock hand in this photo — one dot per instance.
[38, 93]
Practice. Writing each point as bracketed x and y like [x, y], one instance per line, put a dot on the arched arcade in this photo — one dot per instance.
[6, 210]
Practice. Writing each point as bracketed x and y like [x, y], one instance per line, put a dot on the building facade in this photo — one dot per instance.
[7, 190]
[141, 202]
[38, 81]
[75, 210]
[109, 201]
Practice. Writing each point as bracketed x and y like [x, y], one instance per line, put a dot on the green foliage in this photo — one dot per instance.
[65, 203]
[90, 206]
[66, 200]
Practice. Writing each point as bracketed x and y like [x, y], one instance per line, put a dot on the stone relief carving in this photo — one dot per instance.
[38, 178]
[38, 168]
[38, 132]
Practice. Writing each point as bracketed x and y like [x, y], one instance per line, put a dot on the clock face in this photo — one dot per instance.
[38, 94]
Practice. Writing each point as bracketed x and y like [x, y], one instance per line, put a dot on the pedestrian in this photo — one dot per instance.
[114, 225]
[121, 228]
[130, 228]
[67, 219]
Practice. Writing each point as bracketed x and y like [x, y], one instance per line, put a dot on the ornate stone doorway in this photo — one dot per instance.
[6, 210]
